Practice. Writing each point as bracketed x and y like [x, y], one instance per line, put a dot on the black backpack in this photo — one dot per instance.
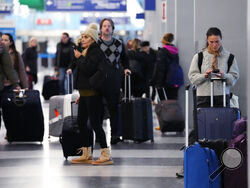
[229, 62]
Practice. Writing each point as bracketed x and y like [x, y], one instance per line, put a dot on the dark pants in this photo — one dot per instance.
[91, 108]
[204, 102]
[114, 112]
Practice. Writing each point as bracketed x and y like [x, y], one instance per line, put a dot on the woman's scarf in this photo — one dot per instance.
[216, 54]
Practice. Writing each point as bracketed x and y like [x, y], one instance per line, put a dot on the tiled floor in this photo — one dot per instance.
[26, 165]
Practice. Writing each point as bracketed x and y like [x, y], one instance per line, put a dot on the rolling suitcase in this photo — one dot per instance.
[50, 87]
[136, 117]
[71, 139]
[216, 122]
[199, 162]
[59, 108]
[169, 115]
[23, 116]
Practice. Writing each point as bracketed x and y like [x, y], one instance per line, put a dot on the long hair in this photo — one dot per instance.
[37, 45]
[13, 48]
[136, 44]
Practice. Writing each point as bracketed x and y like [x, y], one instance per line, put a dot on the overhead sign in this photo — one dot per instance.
[44, 21]
[164, 11]
[86, 5]
[116, 20]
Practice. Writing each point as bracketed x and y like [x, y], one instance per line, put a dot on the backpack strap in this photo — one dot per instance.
[200, 59]
[229, 62]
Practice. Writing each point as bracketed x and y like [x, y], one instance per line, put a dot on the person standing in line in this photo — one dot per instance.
[17, 62]
[6, 72]
[64, 57]
[215, 56]
[115, 53]
[30, 60]
[149, 57]
[90, 105]
[166, 55]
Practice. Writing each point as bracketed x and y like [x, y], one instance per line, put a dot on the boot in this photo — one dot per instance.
[105, 158]
[85, 158]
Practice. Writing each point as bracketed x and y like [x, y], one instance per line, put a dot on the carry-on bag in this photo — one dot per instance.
[50, 87]
[59, 108]
[71, 139]
[238, 177]
[199, 162]
[136, 117]
[23, 116]
[216, 122]
[169, 114]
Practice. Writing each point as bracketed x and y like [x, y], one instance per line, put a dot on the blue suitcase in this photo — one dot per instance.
[216, 122]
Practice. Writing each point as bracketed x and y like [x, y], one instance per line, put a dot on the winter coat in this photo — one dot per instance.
[20, 70]
[6, 68]
[165, 56]
[30, 59]
[88, 65]
[64, 54]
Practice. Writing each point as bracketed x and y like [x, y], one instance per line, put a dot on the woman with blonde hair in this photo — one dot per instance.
[90, 104]
[30, 56]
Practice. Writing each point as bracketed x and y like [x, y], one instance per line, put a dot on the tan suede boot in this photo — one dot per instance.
[105, 158]
[85, 158]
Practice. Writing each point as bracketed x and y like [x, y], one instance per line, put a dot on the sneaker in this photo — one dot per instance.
[180, 174]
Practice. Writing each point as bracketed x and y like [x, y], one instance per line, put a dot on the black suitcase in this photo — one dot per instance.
[169, 115]
[23, 116]
[71, 138]
[136, 118]
[50, 87]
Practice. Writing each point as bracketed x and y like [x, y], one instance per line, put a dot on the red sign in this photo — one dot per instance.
[44, 21]
[164, 11]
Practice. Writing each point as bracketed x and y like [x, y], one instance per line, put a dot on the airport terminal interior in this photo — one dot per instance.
[151, 164]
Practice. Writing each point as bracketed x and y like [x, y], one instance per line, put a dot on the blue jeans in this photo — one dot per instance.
[62, 77]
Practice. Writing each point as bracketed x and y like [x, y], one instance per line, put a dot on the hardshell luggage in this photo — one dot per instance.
[199, 162]
[59, 108]
[23, 116]
[71, 139]
[216, 123]
[169, 114]
[136, 117]
[50, 87]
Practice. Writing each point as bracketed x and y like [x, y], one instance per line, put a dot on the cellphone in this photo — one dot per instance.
[216, 71]
[74, 47]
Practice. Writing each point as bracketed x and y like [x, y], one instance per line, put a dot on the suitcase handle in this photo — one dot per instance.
[212, 80]
[70, 81]
[19, 98]
[125, 87]
[164, 93]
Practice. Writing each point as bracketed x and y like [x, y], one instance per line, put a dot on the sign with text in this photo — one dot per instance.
[116, 20]
[6, 7]
[86, 5]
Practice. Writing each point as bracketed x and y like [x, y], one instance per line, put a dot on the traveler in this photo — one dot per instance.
[90, 105]
[17, 62]
[64, 56]
[166, 56]
[30, 56]
[115, 53]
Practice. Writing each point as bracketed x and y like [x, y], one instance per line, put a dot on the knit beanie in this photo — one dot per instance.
[91, 31]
